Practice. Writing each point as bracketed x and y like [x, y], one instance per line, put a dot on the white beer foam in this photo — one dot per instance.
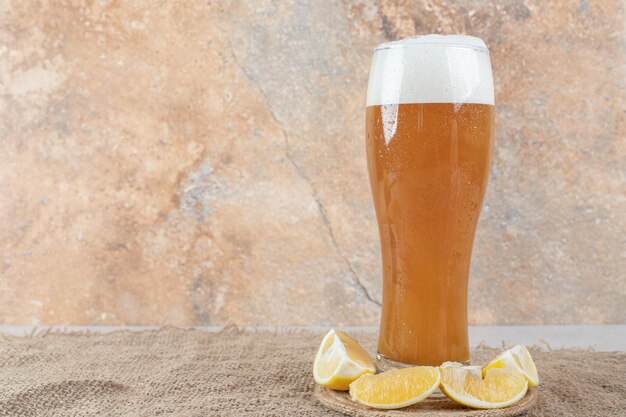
[431, 69]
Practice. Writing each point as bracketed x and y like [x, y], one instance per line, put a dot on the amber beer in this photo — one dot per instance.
[429, 128]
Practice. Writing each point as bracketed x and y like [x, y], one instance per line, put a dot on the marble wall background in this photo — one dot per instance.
[203, 162]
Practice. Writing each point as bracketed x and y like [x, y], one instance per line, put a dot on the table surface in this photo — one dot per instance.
[601, 338]
[259, 373]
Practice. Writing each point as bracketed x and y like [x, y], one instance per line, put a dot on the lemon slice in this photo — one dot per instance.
[499, 388]
[396, 388]
[517, 358]
[340, 360]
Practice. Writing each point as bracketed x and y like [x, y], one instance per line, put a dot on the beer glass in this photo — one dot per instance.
[429, 134]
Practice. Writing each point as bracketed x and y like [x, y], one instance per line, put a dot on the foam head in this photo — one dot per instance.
[431, 69]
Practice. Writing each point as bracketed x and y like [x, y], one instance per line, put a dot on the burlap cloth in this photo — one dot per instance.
[194, 373]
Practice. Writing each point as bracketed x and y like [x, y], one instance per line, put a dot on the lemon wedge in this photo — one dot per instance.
[340, 360]
[396, 388]
[519, 359]
[501, 387]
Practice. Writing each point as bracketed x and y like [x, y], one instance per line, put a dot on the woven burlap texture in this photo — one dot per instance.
[174, 372]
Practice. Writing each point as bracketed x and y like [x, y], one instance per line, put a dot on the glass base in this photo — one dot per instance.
[383, 364]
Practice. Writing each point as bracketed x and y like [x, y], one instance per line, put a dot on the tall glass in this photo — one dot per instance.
[429, 135]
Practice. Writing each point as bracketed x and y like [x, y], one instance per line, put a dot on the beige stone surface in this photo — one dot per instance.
[203, 162]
